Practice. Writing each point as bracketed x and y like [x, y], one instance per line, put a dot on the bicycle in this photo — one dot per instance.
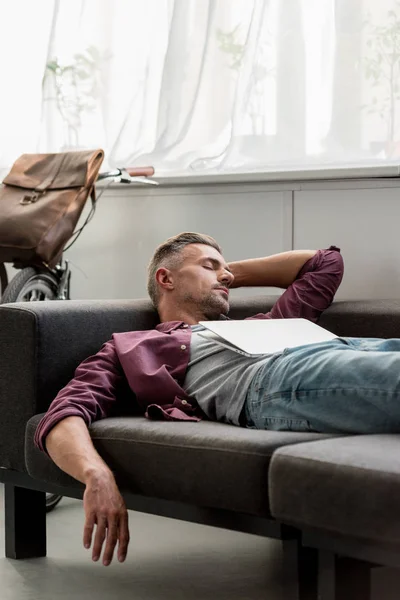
[35, 283]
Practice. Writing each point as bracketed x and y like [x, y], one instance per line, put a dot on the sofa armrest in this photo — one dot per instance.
[41, 344]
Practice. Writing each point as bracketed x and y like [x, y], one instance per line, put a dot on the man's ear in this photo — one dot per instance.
[165, 279]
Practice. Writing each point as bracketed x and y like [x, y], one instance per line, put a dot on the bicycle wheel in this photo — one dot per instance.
[51, 501]
[30, 285]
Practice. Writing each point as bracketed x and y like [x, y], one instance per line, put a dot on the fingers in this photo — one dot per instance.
[105, 509]
[88, 531]
[111, 530]
[112, 537]
[123, 537]
[99, 538]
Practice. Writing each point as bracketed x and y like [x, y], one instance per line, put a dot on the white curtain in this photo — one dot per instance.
[203, 86]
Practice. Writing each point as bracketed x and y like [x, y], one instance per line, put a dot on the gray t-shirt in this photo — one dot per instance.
[218, 378]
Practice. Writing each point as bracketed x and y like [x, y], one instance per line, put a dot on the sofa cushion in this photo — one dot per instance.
[348, 486]
[207, 463]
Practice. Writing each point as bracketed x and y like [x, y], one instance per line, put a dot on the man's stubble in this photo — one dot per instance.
[212, 306]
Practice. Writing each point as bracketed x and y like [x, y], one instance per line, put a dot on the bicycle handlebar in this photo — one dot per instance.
[125, 175]
[128, 175]
[140, 171]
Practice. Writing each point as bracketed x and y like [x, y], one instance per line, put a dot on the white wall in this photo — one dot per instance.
[362, 217]
[110, 258]
[365, 223]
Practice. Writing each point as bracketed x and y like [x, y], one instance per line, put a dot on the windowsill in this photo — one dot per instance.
[283, 175]
[372, 171]
[187, 178]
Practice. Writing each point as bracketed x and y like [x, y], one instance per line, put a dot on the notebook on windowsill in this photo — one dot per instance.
[264, 336]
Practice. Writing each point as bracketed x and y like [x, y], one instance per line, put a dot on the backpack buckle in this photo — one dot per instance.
[30, 199]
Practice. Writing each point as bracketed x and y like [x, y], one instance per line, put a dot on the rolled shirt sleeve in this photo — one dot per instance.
[91, 394]
[313, 290]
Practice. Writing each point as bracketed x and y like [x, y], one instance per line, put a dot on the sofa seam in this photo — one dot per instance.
[180, 447]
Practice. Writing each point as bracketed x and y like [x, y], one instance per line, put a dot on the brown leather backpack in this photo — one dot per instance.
[40, 203]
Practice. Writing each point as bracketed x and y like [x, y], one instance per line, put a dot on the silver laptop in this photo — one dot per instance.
[264, 336]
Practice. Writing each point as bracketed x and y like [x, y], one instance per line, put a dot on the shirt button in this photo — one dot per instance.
[183, 347]
[184, 401]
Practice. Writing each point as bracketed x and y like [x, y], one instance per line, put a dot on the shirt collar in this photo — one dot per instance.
[169, 326]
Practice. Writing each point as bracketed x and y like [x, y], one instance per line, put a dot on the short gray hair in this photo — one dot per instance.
[168, 255]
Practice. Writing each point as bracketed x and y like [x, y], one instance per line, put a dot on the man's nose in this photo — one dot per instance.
[226, 277]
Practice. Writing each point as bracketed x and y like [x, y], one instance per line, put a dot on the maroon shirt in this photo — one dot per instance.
[154, 362]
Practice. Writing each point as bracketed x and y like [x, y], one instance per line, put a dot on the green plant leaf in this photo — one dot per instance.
[52, 65]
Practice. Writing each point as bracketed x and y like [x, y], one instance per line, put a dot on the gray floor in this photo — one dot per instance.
[167, 560]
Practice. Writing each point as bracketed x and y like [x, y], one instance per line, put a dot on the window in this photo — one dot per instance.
[214, 86]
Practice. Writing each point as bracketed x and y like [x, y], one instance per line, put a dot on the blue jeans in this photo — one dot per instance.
[347, 385]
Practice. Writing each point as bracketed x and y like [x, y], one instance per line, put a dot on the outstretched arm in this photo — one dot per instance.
[63, 433]
[71, 448]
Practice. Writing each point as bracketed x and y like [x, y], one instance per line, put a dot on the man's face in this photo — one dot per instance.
[202, 281]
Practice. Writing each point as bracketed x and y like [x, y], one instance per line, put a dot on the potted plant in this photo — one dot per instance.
[76, 86]
[255, 141]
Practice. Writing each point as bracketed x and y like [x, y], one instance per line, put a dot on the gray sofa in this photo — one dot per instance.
[325, 496]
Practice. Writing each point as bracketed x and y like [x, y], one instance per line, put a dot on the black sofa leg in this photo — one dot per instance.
[300, 571]
[25, 522]
[342, 578]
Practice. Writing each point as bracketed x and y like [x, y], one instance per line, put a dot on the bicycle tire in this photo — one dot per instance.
[27, 281]
[51, 501]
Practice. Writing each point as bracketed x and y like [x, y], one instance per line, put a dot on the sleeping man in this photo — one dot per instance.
[346, 385]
